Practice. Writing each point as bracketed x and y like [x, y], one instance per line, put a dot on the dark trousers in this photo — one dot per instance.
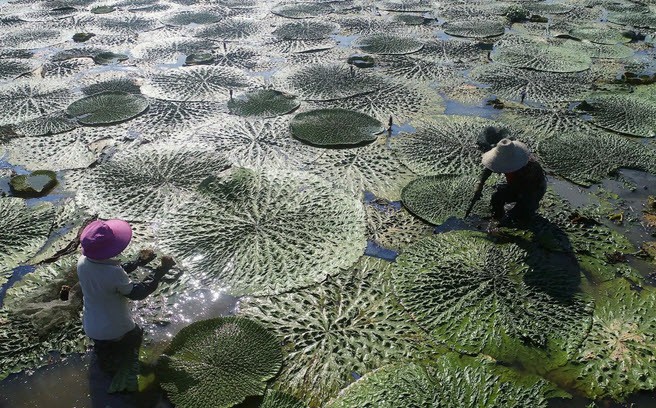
[112, 353]
[527, 202]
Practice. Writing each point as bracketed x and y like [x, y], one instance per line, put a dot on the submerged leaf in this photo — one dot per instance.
[351, 323]
[264, 232]
[335, 127]
[218, 363]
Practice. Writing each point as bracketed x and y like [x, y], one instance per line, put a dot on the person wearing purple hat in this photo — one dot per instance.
[526, 182]
[107, 289]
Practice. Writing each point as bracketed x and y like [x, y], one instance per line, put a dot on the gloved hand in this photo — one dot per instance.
[165, 266]
[145, 256]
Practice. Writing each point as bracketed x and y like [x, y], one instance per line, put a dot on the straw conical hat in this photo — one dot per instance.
[506, 157]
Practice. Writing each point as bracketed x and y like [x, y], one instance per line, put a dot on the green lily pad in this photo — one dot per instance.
[617, 357]
[433, 149]
[199, 59]
[388, 44]
[83, 37]
[599, 33]
[261, 232]
[23, 231]
[635, 19]
[588, 157]
[130, 24]
[107, 108]
[605, 51]
[452, 381]
[410, 19]
[302, 10]
[194, 17]
[144, 184]
[102, 10]
[480, 296]
[405, 5]
[233, 29]
[107, 58]
[196, 83]
[277, 399]
[304, 30]
[335, 127]
[542, 57]
[361, 61]
[218, 363]
[350, 323]
[475, 28]
[436, 198]
[628, 113]
[36, 184]
[120, 84]
[263, 103]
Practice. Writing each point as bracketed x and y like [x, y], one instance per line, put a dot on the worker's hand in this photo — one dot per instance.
[477, 195]
[145, 256]
[167, 263]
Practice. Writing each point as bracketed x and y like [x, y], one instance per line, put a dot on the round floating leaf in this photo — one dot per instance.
[327, 82]
[445, 145]
[34, 38]
[107, 108]
[302, 10]
[102, 10]
[410, 19]
[43, 126]
[264, 103]
[388, 44]
[146, 183]
[599, 33]
[630, 114]
[218, 363]
[23, 230]
[264, 232]
[335, 127]
[128, 24]
[36, 184]
[30, 99]
[194, 17]
[478, 296]
[617, 358]
[349, 324]
[544, 87]
[121, 84]
[635, 19]
[12, 68]
[475, 28]
[436, 198]
[304, 30]
[229, 29]
[169, 50]
[542, 57]
[107, 58]
[606, 51]
[589, 157]
[548, 8]
[197, 83]
[405, 5]
[452, 381]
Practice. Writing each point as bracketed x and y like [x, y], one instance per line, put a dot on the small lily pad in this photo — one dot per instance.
[107, 58]
[107, 107]
[361, 61]
[264, 102]
[335, 127]
[36, 184]
[83, 37]
[199, 59]
[103, 10]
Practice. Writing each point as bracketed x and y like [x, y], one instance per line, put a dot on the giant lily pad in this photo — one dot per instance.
[146, 183]
[229, 29]
[480, 296]
[633, 18]
[451, 381]
[589, 157]
[28, 99]
[436, 198]
[388, 44]
[196, 83]
[605, 51]
[263, 102]
[302, 10]
[264, 232]
[107, 108]
[304, 30]
[23, 230]
[335, 127]
[195, 17]
[445, 145]
[34, 37]
[474, 28]
[218, 363]
[599, 33]
[351, 323]
[617, 357]
[628, 113]
[542, 57]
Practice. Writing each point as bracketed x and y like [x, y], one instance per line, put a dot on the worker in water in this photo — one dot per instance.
[107, 290]
[526, 181]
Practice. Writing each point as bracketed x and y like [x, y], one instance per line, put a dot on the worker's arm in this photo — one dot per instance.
[479, 190]
[141, 290]
[145, 256]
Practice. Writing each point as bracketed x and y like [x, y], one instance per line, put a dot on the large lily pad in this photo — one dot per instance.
[335, 127]
[195, 17]
[145, 183]
[263, 102]
[302, 10]
[389, 44]
[542, 57]
[218, 363]
[445, 145]
[474, 28]
[617, 357]
[264, 232]
[436, 198]
[478, 296]
[230, 29]
[23, 230]
[589, 157]
[599, 33]
[304, 30]
[107, 108]
[633, 18]
[34, 37]
[628, 113]
[197, 83]
[29, 99]
[604, 51]
[351, 323]
[451, 381]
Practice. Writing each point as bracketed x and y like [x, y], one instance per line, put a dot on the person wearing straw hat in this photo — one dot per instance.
[526, 182]
[107, 289]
